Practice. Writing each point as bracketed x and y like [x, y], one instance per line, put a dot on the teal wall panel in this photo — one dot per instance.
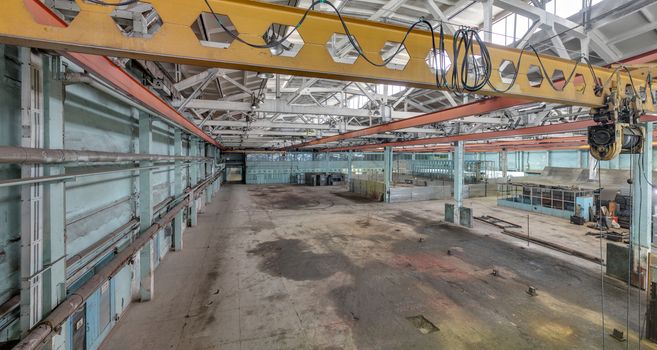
[122, 286]
[95, 121]
[10, 131]
[565, 159]
[94, 206]
[88, 195]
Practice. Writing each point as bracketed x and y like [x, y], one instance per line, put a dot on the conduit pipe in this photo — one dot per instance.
[25, 155]
[44, 330]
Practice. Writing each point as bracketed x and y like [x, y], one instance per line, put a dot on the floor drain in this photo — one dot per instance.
[422, 324]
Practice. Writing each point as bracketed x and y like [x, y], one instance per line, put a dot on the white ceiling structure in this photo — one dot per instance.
[249, 110]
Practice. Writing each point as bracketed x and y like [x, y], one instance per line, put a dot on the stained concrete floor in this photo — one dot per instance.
[293, 267]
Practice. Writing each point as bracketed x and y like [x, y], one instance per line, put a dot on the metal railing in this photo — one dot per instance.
[541, 196]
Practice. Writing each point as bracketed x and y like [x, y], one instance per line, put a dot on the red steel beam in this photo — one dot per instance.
[460, 111]
[506, 143]
[534, 130]
[646, 57]
[485, 106]
[525, 147]
[104, 68]
[569, 146]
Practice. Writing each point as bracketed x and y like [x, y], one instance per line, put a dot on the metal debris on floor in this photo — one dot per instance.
[532, 291]
[618, 335]
[422, 324]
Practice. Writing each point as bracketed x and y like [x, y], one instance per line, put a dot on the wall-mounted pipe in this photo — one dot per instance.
[44, 330]
[84, 253]
[74, 177]
[42, 179]
[25, 155]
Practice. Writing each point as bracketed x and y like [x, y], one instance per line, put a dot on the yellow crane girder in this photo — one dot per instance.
[94, 31]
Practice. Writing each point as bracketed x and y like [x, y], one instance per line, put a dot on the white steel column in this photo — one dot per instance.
[54, 218]
[209, 170]
[593, 168]
[387, 172]
[193, 174]
[54, 248]
[459, 151]
[504, 163]
[31, 308]
[349, 170]
[146, 254]
[488, 20]
[178, 225]
[642, 192]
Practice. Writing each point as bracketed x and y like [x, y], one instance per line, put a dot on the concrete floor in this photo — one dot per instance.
[293, 267]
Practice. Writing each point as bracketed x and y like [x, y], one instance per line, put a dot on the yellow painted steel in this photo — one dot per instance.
[93, 31]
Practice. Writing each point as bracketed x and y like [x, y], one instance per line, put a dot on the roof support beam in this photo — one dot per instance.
[386, 10]
[269, 124]
[468, 109]
[199, 89]
[549, 20]
[534, 130]
[285, 133]
[194, 79]
[438, 14]
[278, 106]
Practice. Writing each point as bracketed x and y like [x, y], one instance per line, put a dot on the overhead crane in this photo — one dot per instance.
[618, 96]
[616, 109]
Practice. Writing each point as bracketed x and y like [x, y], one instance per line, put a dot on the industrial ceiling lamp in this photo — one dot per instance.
[273, 38]
[263, 75]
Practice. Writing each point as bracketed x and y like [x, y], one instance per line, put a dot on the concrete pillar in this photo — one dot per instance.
[641, 224]
[459, 152]
[209, 170]
[387, 172]
[349, 169]
[178, 225]
[548, 157]
[145, 207]
[218, 160]
[193, 174]
[488, 20]
[504, 163]
[593, 168]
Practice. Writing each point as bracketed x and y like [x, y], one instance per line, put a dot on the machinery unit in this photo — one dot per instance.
[618, 130]
[607, 141]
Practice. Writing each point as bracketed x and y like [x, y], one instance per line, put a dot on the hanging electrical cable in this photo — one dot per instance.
[602, 273]
[471, 67]
[123, 3]
[471, 75]
[629, 270]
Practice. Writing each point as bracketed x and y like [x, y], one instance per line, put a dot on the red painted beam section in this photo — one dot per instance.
[646, 57]
[460, 111]
[454, 112]
[534, 130]
[104, 68]
[547, 147]
[498, 144]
